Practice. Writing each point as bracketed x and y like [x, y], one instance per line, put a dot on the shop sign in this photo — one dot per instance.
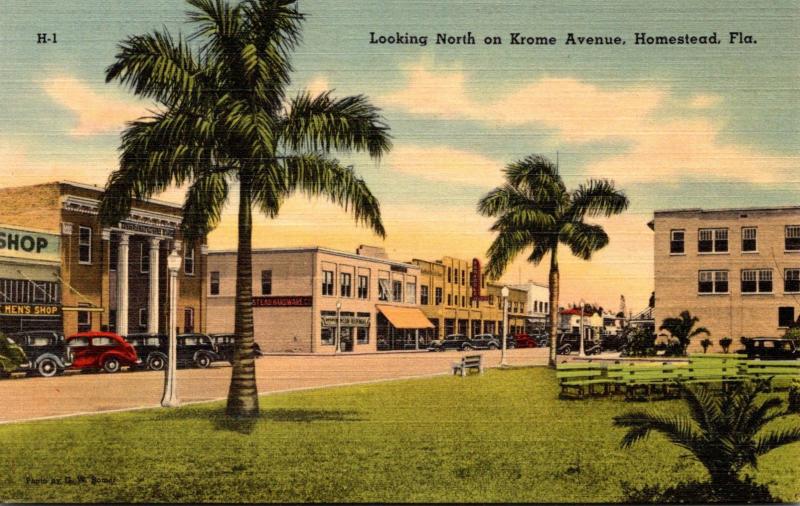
[146, 229]
[18, 243]
[475, 280]
[282, 301]
[346, 321]
[29, 310]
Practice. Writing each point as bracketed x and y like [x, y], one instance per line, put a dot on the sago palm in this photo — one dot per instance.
[534, 210]
[224, 121]
[682, 327]
[724, 430]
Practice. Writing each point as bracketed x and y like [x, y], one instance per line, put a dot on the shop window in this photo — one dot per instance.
[438, 296]
[792, 239]
[749, 239]
[327, 282]
[266, 282]
[84, 319]
[712, 240]
[188, 319]
[213, 283]
[423, 295]
[144, 258]
[397, 291]
[383, 289]
[362, 333]
[676, 241]
[712, 282]
[188, 261]
[757, 281]
[363, 287]
[785, 316]
[327, 333]
[791, 280]
[84, 245]
[345, 284]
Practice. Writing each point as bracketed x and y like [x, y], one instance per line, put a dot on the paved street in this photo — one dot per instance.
[29, 398]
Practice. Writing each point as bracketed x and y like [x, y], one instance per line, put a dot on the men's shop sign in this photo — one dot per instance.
[281, 301]
[18, 243]
[29, 310]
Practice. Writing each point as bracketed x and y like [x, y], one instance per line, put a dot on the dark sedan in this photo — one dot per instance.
[225, 344]
[464, 343]
[193, 350]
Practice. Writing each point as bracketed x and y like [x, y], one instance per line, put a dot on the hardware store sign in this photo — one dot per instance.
[17, 243]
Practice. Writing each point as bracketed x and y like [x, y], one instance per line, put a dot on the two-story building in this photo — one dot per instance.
[303, 296]
[737, 270]
[61, 270]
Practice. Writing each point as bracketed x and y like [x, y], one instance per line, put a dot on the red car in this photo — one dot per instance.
[525, 341]
[100, 350]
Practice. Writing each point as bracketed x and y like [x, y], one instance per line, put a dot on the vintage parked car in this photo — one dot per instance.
[12, 356]
[462, 342]
[772, 348]
[45, 349]
[196, 350]
[525, 341]
[224, 344]
[100, 350]
[567, 343]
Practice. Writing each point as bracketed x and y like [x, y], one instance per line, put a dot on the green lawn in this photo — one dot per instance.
[503, 436]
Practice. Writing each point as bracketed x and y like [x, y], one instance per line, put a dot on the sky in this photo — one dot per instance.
[673, 126]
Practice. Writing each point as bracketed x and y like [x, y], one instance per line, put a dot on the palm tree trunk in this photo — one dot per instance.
[554, 281]
[243, 393]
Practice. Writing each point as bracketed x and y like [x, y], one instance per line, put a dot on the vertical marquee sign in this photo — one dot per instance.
[475, 281]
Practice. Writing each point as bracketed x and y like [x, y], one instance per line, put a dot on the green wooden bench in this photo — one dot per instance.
[640, 382]
[468, 362]
[582, 378]
[783, 371]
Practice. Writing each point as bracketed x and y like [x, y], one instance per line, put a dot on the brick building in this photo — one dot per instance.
[97, 277]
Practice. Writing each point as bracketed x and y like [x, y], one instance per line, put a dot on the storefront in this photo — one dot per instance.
[402, 328]
[30, 290]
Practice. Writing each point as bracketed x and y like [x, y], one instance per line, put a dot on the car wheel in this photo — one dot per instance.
[47, 368]
[566, 350]
[202, 361]
[467, 347]
[492, 346]
[111, 365]
[155, 363]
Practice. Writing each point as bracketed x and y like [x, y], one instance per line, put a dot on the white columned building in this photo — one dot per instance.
[122, 283]
[152, 303]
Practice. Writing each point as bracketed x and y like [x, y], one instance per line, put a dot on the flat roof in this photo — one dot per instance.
[86, 186]
[315, 249]
[727, 209]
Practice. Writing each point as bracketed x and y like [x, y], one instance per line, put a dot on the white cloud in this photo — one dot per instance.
[659, 143]
[98, 111]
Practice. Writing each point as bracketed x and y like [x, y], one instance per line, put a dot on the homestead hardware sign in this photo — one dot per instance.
[346, 321]
[29, 310]
[18, 243]
[282, 301]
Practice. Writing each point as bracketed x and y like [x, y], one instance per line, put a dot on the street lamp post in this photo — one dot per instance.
[338, 339]
[581, 352]
[170, 398]
[504, 292]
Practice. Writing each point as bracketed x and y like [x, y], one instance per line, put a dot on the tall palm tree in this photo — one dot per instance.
[724, 430]
[534, 210]
[682, 328]
[223, 121]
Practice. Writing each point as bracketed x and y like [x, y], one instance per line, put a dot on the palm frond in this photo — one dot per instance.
[776, 439]
[583, 239]
[532, 220]
[678, 429]
[202, 209]
[538, 178]
[345, 124]
[598, 197]
[507, 245]
[503, 199]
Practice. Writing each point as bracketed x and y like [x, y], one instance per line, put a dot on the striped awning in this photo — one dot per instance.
[405, 317]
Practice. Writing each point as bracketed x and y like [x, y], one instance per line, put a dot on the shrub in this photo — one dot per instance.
[794, 397]
[639, 342]
[725, 342]
[683, 327]
[792, 333]
[705, 343]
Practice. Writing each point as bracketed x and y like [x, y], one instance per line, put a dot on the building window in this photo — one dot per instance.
[327, 282]
[791, 280]
[84, 245]
[143, 317]
[383, 289]
[712, 240]
[463, 301]
[363, 287]
[712, 282]
[792, 242]
[757, 281]
[345, 284]
[449, 275]
[463, 277]
[328, 333]
[188, 319]
[785, 316]
[491, 300]
[188, 261]
[438, 296]
[749, 236]
[84, 319]
[266, 282]
[423, 295]
[546, 306]
[397, 291]
[411, 293]
[213, 283]
[144, 258]
[449, 299]
[677, 241]
[362, 333]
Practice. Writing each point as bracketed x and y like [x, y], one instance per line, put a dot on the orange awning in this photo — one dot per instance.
[405, 317]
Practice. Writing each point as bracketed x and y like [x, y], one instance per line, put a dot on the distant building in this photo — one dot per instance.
[737, 270]
[538, 306]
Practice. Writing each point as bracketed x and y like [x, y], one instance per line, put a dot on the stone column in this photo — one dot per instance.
[122, 283]
[152, 302]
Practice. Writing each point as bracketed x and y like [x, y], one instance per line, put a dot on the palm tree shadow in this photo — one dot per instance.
[222, 421]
